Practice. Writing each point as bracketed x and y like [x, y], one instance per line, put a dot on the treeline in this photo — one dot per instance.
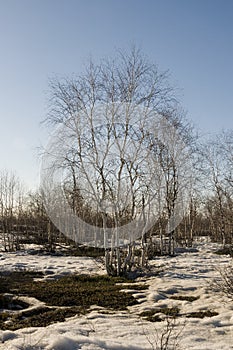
[23, 218]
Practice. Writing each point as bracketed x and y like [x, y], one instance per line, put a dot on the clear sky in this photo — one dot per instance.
[43, 38]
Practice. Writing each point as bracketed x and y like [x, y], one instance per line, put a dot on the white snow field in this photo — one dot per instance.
[189, 273]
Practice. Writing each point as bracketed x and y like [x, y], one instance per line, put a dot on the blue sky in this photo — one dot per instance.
[43, 38]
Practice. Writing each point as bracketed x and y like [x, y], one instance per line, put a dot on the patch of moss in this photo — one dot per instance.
[184, 297]
[228, 250]
[170, 311]
[202, 314]
[11, 303]
[65, 297]
[3, 317]
[152, 315]
[40, 317]
[12, 281]
[93, 252]
[80, 290]
[135, 286]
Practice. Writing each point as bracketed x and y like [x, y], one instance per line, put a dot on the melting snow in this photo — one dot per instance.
[187, 274]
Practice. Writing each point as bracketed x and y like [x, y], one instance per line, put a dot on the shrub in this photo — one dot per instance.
[225, 282]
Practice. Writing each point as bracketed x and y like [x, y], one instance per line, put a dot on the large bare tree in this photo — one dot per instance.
[111, 154]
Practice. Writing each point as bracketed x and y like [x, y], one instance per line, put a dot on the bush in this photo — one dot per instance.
[225, 282]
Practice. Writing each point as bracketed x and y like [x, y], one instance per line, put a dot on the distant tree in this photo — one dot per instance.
[217, 157]
[225, 143]
[10, 207]
[40, 229]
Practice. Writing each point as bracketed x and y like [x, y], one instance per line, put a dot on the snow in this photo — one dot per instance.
[190, 273]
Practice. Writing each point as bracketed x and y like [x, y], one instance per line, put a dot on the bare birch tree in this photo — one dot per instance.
[102, 152]
[10, 204]
[217, 156]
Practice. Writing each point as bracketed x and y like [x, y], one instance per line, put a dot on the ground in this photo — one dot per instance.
[179, 291]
